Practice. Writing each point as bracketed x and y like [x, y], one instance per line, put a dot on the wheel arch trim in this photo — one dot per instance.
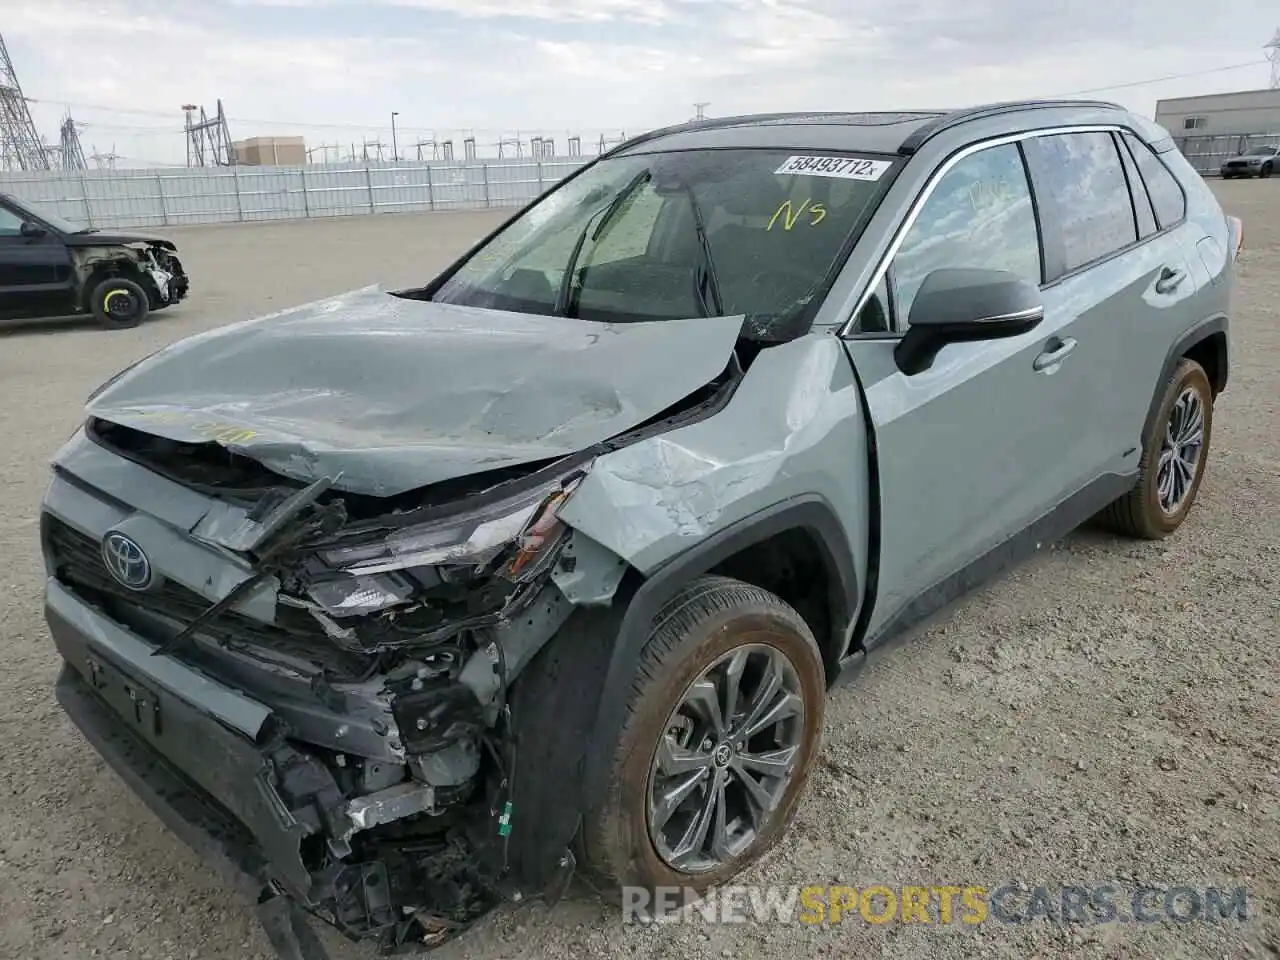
[1210, 327]
[811, 513]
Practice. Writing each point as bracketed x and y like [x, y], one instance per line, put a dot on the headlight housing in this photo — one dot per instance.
[373, 575]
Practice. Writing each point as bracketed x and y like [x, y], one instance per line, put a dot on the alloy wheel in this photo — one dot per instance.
[1180, 452]
[725, 758]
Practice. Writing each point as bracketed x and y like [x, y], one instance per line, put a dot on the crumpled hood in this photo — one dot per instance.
[387, 394]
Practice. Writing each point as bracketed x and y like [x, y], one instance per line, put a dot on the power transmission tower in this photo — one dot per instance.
[105, 161]
[607, 142]
[510, 143]
[208, 139]
[440, 149]
[324, 150]
[72, 153]
[700, 110]
[20, 144]
[1273, 54]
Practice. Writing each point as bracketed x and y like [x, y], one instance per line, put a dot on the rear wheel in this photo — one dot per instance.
[117, 302]
[1175, 453]
[724, 722]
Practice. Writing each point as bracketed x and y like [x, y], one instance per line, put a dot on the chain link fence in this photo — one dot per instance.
[1207, 152]
[114, 199]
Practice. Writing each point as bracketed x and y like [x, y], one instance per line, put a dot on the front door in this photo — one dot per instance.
[35, 275]
[971, 450]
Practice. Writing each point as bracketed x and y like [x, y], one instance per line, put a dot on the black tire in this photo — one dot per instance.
[118, 303]
[1139, 513]
[707, 620]
[1266, 170]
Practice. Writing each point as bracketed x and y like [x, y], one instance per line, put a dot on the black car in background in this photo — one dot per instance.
[50, 267]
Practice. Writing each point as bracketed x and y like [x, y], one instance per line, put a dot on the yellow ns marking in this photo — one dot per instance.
[791, 214]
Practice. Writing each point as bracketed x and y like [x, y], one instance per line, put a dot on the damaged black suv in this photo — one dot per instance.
[50, 267]
[400, 605]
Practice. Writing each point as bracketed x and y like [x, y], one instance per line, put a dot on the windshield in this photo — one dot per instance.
[46, 215]
[1260, 152]
[679, 234]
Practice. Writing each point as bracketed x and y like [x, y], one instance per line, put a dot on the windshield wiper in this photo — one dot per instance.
[704, 281]
[565, 293]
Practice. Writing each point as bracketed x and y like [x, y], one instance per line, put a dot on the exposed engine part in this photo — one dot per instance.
[385, 806]
[378, 775]
[454, 765]
[436, 719]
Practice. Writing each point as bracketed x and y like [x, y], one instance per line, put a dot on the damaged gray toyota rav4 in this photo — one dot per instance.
[402, 605]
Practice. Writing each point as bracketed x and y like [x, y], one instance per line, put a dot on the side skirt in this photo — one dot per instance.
[1053, 526]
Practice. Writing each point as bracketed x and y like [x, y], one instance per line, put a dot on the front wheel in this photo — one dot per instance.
[1266, 170]
[724, 721]
[117, 302]
[1175, 452]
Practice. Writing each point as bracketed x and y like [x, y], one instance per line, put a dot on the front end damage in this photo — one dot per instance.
[333, 627]
[357, 752]
[153, 266]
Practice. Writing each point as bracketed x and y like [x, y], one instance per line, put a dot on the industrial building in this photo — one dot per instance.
[270, 151]
[1218, 114]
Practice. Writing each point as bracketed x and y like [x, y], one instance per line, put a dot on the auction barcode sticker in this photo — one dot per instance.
[845, 168]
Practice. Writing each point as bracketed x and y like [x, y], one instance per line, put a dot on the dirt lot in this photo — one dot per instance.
[1106, 714]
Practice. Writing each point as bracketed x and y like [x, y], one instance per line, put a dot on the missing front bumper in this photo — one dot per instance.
[258, 812]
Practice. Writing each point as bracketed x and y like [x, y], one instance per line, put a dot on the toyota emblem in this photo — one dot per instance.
[126, 561]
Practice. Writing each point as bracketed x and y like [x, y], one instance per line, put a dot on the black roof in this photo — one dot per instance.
[902, 132]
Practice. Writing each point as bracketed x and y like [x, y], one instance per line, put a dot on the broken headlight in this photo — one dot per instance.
[519, 530]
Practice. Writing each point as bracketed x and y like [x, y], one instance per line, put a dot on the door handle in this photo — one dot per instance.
[1054, 353]
[1170, 279]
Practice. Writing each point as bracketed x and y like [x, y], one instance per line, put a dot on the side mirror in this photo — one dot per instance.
[30, 230]
[954, 305]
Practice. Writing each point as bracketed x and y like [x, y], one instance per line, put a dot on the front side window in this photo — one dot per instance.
[44, 213]
[1167, 198]
[1079, 176]
[979, 215]
[1261, 152]
[679, 234]
[10, 223]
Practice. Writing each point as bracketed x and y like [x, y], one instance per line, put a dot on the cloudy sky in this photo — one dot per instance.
[333, 70]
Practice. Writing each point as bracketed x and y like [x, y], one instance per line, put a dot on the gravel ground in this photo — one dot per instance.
[1108, 713]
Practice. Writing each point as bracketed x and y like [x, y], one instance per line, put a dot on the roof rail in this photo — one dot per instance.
[918, 137]
[710, 123]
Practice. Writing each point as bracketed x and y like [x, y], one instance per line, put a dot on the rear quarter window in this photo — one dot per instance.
[1166, 194]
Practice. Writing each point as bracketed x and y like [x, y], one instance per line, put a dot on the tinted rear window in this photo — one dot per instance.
[1166, 194]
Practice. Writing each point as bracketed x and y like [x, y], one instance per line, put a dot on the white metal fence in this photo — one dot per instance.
[142, 198]
[1207, 152]
[169, 197]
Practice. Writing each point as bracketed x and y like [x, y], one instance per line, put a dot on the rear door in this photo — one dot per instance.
[1129, 283]
[972, 450]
